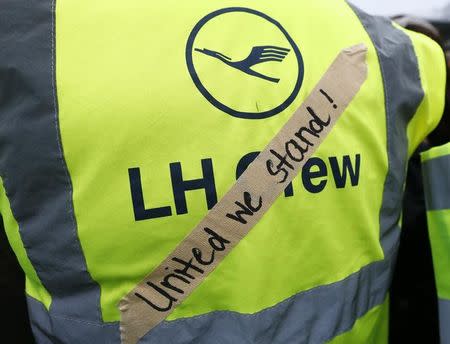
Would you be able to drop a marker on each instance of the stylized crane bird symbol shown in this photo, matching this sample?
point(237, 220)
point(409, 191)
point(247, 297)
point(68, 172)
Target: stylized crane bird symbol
point(261, 54)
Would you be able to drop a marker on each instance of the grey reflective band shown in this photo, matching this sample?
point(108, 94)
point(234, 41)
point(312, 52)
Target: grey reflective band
point(444, 320)
point(313, 316)
point(32, 164)
point(436, 173)
point(403, 93)
point(50, 328)
point(316, 315)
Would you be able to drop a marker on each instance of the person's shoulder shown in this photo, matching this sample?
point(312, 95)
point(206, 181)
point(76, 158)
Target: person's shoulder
point(433, 74)
point(426, 47)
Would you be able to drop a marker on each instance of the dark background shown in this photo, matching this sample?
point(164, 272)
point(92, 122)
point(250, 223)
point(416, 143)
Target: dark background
point(14, 321)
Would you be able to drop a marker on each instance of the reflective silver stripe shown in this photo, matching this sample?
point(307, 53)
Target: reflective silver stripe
point(436, 173)
point(32, 163)
point(403, 93)
point(444, 320)
point(313, 316)
point(57, 329)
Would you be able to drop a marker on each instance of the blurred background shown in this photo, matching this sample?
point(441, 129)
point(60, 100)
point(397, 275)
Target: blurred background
point(435, 11)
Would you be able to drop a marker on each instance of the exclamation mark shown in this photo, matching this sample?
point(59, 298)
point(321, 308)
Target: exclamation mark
point(329, 98)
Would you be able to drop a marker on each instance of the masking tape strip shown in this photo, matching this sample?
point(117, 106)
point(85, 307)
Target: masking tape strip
point(152, 300)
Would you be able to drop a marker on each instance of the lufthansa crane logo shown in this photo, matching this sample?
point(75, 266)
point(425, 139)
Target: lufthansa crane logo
point(257, 55)
point(244, 63)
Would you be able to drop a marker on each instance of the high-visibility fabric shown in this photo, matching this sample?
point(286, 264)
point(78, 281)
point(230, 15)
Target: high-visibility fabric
point(134, 118)
point(436, 174)
point(370, 328)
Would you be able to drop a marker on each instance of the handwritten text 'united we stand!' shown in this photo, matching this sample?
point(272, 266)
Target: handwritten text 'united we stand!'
point(281, 166)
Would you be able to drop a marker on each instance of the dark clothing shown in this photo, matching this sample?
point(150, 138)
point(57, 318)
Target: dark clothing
point(14, 324)
point(413, 292)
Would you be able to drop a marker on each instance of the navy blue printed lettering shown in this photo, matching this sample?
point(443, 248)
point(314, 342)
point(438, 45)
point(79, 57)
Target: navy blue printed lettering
point(180, 186)
point(308, 175)
point(140, 213)
point(340, 175)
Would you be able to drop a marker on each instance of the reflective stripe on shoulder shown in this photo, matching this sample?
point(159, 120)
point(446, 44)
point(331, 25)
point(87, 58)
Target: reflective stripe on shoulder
point(403, 95)
point(444, 320)
point(436, 178)
point(32, 163)
point(436, 174)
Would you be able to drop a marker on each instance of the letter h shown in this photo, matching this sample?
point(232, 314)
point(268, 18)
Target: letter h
point(180, 186)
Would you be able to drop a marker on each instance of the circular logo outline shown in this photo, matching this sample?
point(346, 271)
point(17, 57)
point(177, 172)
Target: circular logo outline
point(210, 97)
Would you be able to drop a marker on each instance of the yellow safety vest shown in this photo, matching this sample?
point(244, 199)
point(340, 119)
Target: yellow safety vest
point(123, 122)
point(436, 174)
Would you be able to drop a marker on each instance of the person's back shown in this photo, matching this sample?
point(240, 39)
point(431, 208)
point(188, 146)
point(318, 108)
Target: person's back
point(121, 123)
